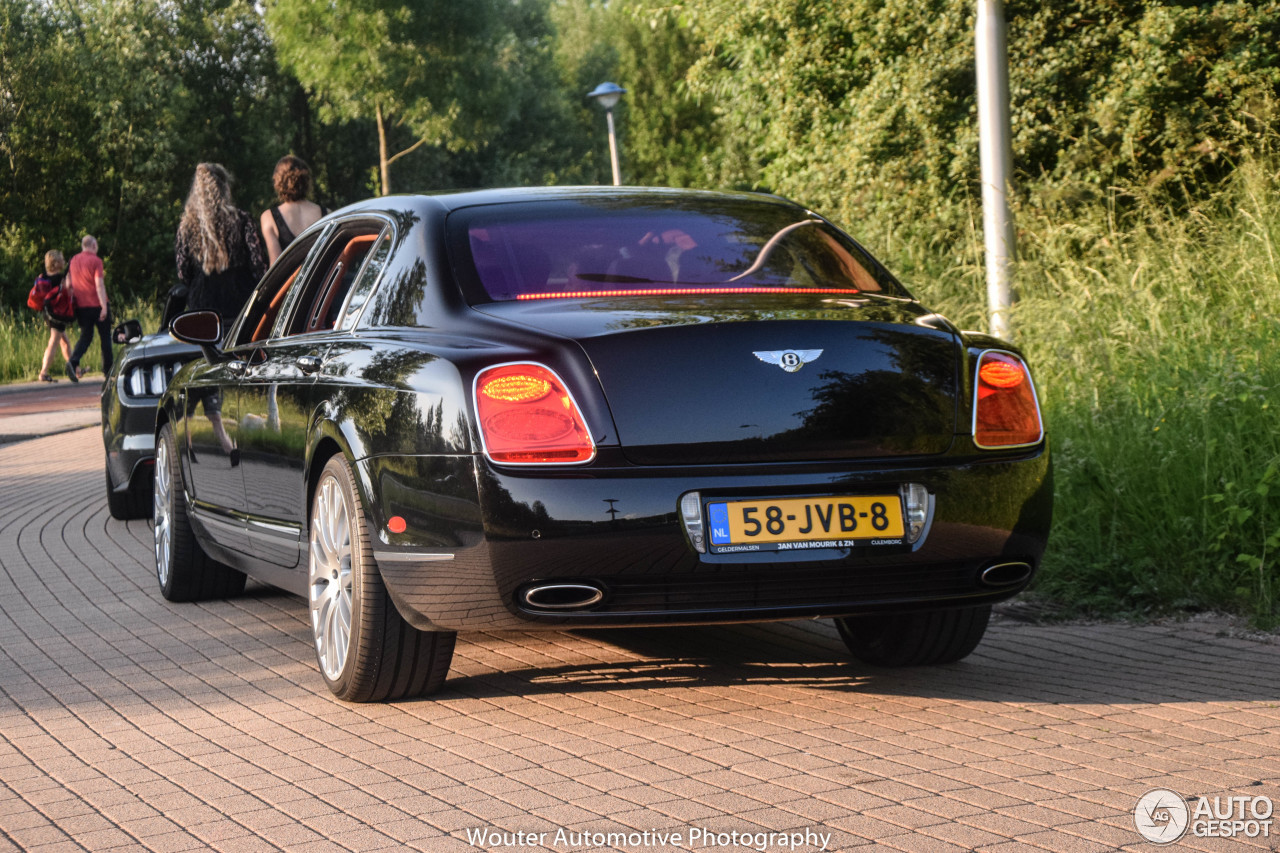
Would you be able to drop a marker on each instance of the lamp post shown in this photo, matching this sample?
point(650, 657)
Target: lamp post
point(997, 169)
point(608, 95)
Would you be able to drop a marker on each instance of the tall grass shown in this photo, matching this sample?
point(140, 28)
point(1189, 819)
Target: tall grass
point(24, 336)
point(1154, 339)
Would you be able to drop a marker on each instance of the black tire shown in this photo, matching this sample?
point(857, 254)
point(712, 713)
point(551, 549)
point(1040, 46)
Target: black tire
point(914, 639)
point(381, 657)
point(133, 502)
point(184, 570)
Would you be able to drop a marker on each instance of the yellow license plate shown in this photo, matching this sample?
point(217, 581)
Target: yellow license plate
point(822, 522)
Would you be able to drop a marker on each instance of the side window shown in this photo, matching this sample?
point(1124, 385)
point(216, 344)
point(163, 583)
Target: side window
point(368, 278)
point(331, 280)
point(270, 295)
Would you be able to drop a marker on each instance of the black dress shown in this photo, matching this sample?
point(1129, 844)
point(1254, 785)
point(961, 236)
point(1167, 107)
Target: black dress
point(225, 291)
point(286, 233)
point(282, 228)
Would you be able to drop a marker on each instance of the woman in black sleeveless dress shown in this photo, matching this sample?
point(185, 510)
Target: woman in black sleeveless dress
point(294, 214)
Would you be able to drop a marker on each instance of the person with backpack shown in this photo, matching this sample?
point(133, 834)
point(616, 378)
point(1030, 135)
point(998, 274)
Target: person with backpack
point(52, 296)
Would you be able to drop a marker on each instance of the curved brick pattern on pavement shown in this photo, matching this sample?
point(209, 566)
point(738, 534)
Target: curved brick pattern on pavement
point(130, 723)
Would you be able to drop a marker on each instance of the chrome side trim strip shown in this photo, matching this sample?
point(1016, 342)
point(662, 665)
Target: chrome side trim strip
point(409, 556)
point(256, 526)
point(228, 525)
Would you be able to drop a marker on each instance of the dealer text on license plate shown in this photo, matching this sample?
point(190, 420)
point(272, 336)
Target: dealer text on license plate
point(798, 523)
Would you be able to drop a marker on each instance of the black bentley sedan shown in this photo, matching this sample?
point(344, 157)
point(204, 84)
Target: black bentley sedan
point(585, 407)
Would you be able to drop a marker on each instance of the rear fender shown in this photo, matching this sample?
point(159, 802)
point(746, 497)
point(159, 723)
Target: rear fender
point(326, 440)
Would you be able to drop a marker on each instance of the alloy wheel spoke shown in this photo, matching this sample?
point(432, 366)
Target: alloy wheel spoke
point(330, 577)
point(337, 641)
point(161, 514)
point(318, 556)
point(324, 616)
point(341, 534)
point(322, 518)
point(342, 596)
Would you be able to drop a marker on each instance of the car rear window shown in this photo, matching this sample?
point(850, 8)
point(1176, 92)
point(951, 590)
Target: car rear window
point(611, 247)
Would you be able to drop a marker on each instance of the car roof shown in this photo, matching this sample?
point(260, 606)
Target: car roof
point(456, 200)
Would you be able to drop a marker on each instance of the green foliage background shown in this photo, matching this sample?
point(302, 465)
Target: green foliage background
point(1146, 190)
point(862, 108)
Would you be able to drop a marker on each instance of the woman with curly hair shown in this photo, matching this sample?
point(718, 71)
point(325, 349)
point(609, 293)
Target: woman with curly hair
point(218, 252)
point(294, 214)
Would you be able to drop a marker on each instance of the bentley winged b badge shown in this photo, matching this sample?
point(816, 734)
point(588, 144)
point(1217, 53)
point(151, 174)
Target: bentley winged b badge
point(789, 360)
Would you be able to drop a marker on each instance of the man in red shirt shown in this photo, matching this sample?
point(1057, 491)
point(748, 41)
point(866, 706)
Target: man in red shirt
point(88, 286)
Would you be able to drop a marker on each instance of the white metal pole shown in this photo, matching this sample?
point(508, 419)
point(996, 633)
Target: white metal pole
point(613, 149)
point(997, 159)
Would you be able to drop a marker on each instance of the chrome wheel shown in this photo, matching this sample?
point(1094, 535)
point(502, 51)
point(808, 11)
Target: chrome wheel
point(366, 650)
point(330, 575)
point(162, 513)
point(185, 571)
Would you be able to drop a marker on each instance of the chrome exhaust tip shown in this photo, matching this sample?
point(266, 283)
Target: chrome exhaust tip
point(1005, 574)
point(562, 596)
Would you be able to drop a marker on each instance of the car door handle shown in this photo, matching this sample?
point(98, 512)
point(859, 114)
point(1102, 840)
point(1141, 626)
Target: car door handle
point(309, 363)
point(237, 367)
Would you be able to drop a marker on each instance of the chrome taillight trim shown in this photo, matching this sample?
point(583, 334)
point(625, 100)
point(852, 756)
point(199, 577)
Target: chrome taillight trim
point(475, 407)
point(1035, 398)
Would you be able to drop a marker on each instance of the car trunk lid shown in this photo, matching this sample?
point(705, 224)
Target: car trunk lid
point(730, 382)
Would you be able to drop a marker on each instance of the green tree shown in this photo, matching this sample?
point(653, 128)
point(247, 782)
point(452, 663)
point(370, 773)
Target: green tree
point(534, 134)
point(423, 71)
point(672, 135)
point(668, 134)
point(106, 107)
point(40, 113)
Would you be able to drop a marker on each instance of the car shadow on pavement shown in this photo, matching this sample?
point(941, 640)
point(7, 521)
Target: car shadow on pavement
point(1113, 663)
point(1016, 662)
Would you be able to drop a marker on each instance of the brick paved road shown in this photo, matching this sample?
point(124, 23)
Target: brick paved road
point(127, 722)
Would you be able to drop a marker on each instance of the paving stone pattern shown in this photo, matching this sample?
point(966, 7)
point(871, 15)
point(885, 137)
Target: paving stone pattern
point(130, 723)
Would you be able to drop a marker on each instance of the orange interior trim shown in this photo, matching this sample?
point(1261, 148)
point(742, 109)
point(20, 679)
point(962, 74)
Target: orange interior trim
point(263, 328)
point(354, 251)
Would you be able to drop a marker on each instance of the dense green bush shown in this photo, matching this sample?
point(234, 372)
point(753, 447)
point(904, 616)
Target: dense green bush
point(866, 108)
point(1154, 348)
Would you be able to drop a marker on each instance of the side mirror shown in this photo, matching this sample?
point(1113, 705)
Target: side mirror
point(197, 327)
point(200, 327)
point(128, 332)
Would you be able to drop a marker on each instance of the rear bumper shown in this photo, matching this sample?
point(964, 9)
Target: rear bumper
point(468, 562)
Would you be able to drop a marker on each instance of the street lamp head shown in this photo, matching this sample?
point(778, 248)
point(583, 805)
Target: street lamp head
point(607, 94)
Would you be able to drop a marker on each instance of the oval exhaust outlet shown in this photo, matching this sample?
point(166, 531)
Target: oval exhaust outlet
point(1005, 574)
point(562, 596)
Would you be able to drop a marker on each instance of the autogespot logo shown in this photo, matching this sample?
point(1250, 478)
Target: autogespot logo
point(1161, 816)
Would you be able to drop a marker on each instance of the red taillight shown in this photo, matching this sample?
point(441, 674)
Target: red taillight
point(527, 417)
point(1001, 374)
point(1006, 413)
